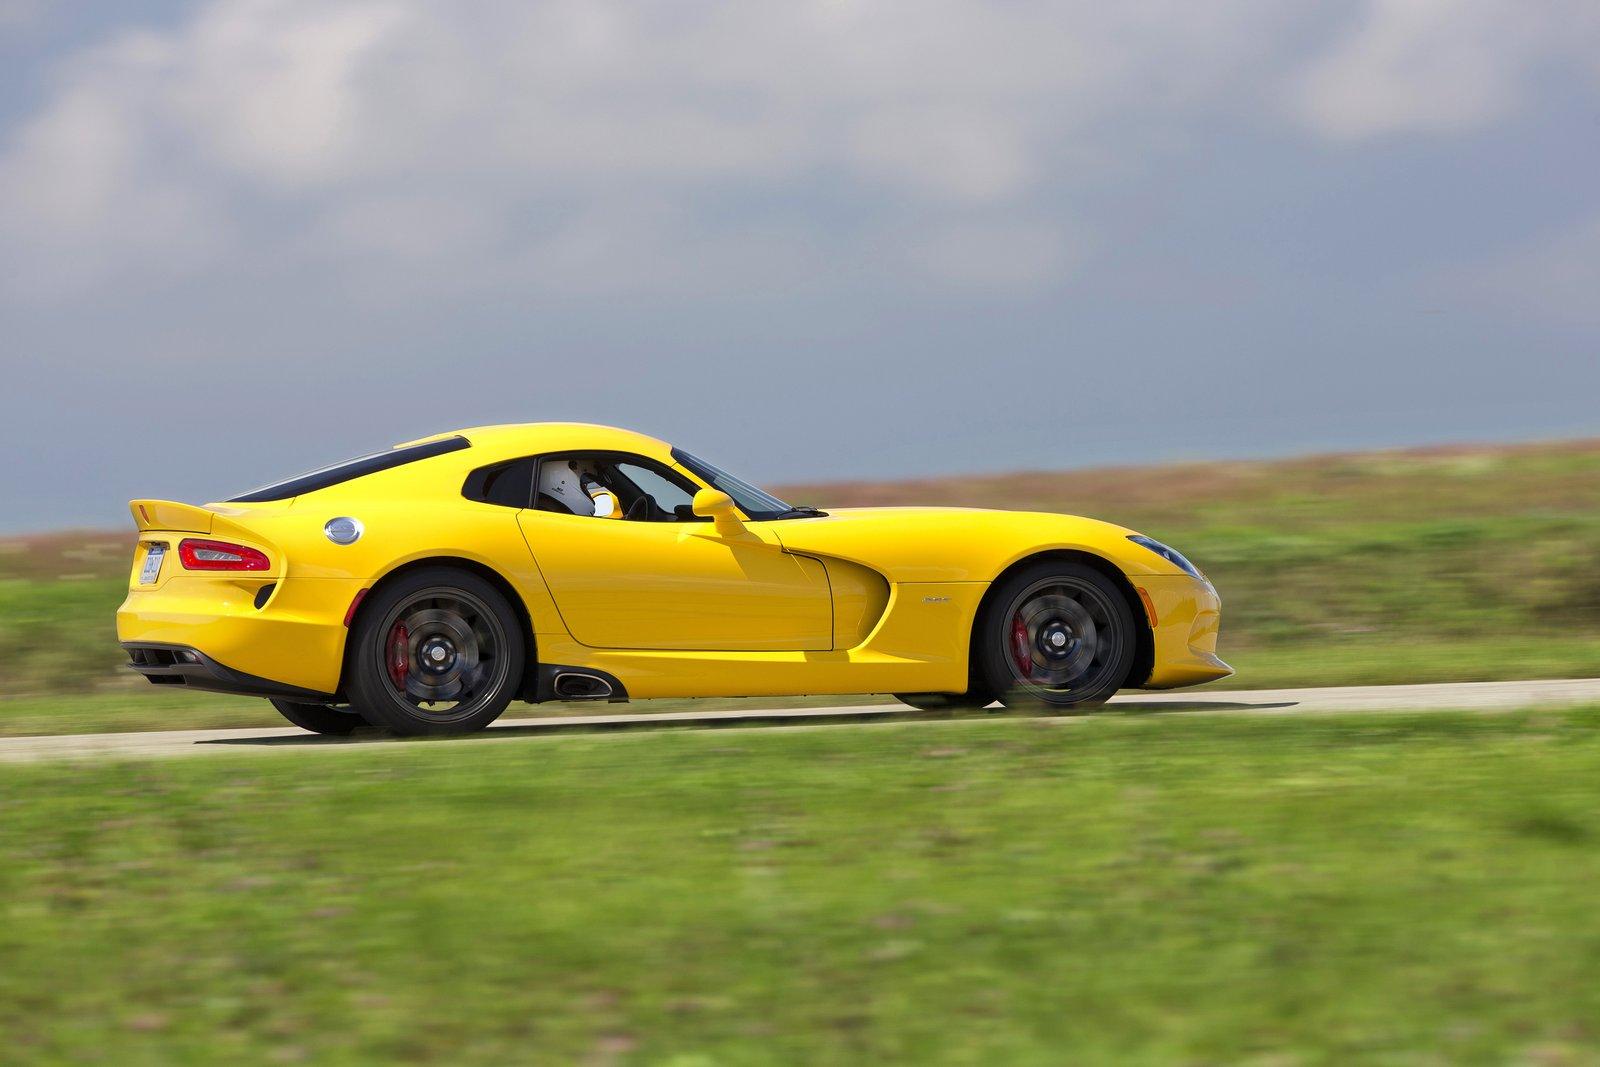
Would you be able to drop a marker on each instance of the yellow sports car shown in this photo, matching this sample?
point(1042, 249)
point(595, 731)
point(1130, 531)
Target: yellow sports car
point(424, 588)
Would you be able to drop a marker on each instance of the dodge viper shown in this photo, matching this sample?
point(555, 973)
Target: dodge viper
point(423, 588)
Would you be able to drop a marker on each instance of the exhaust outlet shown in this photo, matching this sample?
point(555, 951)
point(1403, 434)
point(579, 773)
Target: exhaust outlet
point(558, 681)
point(571, 685)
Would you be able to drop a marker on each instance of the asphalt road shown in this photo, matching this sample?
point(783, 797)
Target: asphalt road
point(1463, 696)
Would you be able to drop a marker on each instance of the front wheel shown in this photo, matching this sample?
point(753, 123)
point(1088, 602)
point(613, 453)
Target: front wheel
point(1056, 635)
point(436, 651)
point(319, 718)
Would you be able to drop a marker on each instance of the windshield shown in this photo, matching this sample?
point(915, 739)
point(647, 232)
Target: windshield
point(756, 503)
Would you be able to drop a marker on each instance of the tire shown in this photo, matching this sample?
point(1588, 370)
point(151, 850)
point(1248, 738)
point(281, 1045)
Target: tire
point(436, 651)
point(945, 701)
point(319, 718)
point(1054, 636)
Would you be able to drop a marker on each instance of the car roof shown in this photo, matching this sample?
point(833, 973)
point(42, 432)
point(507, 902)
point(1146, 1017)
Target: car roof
point(512, 440)
point(460, 452)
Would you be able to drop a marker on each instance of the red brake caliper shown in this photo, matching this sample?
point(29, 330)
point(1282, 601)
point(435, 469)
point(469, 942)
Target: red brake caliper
point(1019, 646)
point(399, 655)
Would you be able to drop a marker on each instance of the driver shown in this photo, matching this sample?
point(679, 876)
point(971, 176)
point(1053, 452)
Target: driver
point(578, 490)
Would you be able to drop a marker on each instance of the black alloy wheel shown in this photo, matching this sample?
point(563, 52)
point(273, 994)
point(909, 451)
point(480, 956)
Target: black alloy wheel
point(438, 651)
point(1056, 635)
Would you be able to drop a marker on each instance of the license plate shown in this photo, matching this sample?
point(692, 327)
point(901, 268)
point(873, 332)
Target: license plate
point(152, 565)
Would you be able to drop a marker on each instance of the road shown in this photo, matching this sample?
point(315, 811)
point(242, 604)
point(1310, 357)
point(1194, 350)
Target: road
point(1460, 696)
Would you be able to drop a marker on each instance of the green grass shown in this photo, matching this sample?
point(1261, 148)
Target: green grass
point(1428, 565)
point(135, 706)
point(1377, 889)
point(62, 633)
point(1385, 660)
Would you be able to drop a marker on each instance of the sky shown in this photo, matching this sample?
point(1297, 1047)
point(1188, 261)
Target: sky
point(806, 239)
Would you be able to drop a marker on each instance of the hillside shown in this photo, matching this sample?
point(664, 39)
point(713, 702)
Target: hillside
point(1463, 562)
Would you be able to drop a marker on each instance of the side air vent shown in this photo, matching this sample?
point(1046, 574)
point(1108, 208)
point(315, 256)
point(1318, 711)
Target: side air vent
point(264, 594)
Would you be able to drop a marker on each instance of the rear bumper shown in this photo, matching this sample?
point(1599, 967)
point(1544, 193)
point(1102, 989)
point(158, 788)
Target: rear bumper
point(1188, 618)
point(293, 643)
point(193, 669)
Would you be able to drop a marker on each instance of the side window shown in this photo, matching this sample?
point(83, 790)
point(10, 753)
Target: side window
point(507, 484)
point(613, 485)
point(672, 501)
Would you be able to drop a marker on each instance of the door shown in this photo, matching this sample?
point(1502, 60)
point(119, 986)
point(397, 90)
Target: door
point(664, 580)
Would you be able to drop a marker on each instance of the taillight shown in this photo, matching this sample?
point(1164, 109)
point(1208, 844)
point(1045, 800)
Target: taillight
point(198, 555)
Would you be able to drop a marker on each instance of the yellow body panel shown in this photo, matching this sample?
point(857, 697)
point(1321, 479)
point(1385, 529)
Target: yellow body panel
point(667, 585)
point(1188, 615)
point(958, 544)
point(861, 601)
point(297, 639)
point(920, 645)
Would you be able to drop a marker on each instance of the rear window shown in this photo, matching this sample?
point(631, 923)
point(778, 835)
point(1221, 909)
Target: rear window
point(351, 469)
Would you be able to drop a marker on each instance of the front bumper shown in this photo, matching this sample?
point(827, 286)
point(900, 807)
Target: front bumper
point(1188, 617)
point(293, 643)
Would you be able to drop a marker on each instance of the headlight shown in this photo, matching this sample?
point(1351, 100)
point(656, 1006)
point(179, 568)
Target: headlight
point(1171, 555)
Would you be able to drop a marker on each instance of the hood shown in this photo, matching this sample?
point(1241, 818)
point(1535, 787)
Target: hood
point(952, 544)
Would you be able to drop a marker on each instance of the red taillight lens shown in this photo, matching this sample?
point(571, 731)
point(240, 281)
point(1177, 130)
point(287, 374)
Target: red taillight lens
point(200, 555)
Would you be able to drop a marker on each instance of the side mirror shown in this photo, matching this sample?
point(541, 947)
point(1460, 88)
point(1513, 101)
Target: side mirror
point(716, 505)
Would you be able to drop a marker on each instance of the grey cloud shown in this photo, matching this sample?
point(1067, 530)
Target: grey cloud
point(1442, 66)
point(326, 115)
point(808, 238)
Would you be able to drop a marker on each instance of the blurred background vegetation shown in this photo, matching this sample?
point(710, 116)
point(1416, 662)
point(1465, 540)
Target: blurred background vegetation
point(1453, 563)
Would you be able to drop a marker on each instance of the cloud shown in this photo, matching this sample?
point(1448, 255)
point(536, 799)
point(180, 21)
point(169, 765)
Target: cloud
point(592, 146)
point(1440, 66)
point(527, 135)
point(949, 152)
point(279, 91)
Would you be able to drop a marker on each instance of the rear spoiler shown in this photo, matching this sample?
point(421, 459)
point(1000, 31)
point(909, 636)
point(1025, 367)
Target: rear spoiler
point(187, 518)
point(170, 515)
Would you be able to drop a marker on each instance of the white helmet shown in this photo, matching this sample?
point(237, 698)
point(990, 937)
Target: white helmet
point(563, 482)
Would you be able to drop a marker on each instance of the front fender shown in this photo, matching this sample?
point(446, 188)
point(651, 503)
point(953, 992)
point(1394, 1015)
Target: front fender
point(959, 544)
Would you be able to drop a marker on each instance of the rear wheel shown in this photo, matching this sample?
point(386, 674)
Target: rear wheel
point(1056, 635)
point(319, 718)
point(437, 651)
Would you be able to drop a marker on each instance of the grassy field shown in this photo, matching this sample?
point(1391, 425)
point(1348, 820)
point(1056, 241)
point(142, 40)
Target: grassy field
point(1429, 565)
point(1379, 889)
